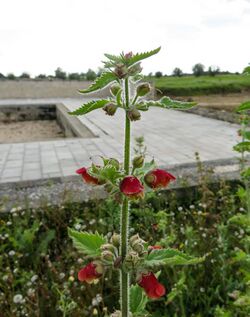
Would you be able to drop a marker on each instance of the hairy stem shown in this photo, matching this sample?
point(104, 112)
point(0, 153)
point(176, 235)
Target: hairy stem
point(125, 214)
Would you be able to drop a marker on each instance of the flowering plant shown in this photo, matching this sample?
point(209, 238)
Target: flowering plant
point(137, 261)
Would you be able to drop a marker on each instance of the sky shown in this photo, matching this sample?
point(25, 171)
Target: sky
point(37, 36)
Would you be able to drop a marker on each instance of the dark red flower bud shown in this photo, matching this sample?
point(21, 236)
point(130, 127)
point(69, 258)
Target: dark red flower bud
point(87, 177)
point(151, 286)
point(131, 187)
point(158, 178)
point(110, 108)
point(134, 115)
point(128, 55)
point(143, 89)
point(90, 272)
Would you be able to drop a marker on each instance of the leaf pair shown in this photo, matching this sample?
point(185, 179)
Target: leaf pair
point(128, 61)
point(165, 102)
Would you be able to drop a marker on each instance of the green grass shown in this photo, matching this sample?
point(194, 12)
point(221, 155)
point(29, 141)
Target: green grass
point(191, 86)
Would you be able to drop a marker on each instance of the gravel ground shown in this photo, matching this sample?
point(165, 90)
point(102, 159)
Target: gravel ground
point(28, 131)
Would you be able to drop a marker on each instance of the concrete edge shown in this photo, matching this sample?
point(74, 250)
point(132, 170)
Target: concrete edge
point(71, 124)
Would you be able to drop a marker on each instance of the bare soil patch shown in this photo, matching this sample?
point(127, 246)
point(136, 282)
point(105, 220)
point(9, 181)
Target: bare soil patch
point(226, 102)
point(28, 131)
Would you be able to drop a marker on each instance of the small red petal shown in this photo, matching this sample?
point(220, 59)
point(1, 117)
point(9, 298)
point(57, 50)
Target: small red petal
point(160, 290)
point(81, 171)
point(82, 275)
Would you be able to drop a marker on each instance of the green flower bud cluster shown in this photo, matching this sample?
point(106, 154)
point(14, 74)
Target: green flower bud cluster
point(114, 89)
point(110, 108)
point(137, 244)
point(133, 114)
point(143, 89)
point(109, 251)
point(138, 161)
point(131, 260)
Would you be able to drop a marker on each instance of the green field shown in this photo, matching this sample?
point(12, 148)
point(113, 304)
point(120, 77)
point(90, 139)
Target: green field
point(203, 85)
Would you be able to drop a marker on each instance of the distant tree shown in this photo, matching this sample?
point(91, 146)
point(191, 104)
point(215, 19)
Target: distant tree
point(198, 69)
point(246, 70)
point(100, 71)
point(158, 74)
point(60, 74)
point(24, 76)
point(82, 76)
point(2, 76)
point(177, 72)
point(41, 76)
point(150, 74)
point(74, 76)
point(11, 76)
point(213, 70)
point(90, 75)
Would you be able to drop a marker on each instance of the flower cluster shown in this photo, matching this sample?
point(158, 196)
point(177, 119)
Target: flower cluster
point(132, 186)
point(147, 280)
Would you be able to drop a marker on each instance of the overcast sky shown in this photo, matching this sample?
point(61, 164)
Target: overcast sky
point(37, 36)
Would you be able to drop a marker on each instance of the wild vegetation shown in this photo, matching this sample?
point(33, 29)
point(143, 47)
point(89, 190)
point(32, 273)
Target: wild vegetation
point(201, 85)
point(39, 266)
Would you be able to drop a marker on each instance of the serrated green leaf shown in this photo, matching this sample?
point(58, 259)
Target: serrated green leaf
point(243, 107)
point(90, 106)
point(240, 220)
point(166, 103)
point(101, 82)
point(242, 147)
point(140, 56)
point(114, 58)
point(138, 300)
point(169, 257)
point(87, 243)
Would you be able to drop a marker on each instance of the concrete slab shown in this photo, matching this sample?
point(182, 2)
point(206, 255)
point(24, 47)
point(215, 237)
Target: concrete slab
point(172, 137)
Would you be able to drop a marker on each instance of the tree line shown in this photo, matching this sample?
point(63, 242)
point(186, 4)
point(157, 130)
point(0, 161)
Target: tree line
point(58, 74)
point(197, 70)
point(200, 70)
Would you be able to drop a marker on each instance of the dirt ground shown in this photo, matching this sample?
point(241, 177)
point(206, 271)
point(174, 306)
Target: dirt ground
point(222, 102)
point(25, 131)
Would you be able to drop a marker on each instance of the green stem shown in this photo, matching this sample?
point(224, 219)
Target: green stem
point(125, 215)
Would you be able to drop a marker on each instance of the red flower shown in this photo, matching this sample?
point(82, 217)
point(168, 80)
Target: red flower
point(158, 178)
point(154, 247)
point(87, 177)
point(90, 272)
point(151, 286)
point(131, 187)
